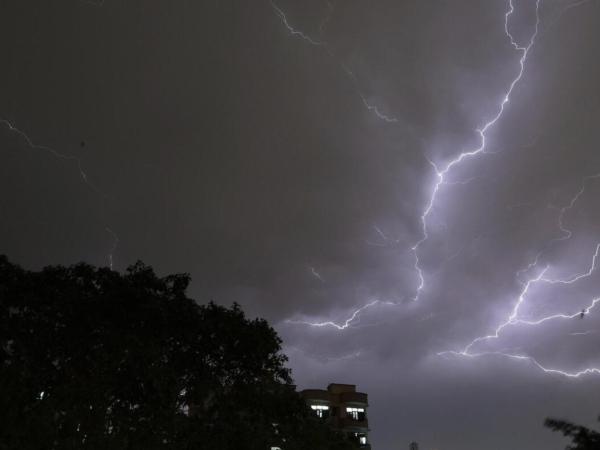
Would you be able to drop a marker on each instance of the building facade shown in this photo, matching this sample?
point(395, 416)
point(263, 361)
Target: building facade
point(342, 407)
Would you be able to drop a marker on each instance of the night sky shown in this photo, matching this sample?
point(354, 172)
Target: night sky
point(303, 158)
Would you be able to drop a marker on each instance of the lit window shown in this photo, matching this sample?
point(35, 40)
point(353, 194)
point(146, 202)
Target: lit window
point(321, 410)
point(361, 438)
point(356, 413)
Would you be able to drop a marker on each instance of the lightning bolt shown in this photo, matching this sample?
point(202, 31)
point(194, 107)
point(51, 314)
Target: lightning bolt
point(376, 111)
point(300, 34)
point(442, 173)
point(293, 31)
point(563, 211)
point(316, 274)
point(535, 362)
point(113, 249)
point(482, 131)
point(77, 161)
point(513, 319)
point(386, 241)
point(584, 333)
point(577, 277)
point(566, 233)
point(354, 317)
point(50, 150)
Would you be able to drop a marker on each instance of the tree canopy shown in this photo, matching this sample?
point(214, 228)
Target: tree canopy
point(95, 359)
point(582, 438)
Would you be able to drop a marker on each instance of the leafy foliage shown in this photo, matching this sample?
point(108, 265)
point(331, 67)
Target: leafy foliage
point(94, 359)
point(582, 438)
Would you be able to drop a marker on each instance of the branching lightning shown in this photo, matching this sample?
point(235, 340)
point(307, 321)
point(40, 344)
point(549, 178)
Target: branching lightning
point(514, 320)
point(441, 173)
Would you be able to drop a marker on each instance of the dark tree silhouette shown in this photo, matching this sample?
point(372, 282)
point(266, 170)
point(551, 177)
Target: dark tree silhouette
point(92, 359)
point(582, 438)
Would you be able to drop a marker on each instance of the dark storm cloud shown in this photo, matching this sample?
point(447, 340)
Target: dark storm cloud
point(225, 146)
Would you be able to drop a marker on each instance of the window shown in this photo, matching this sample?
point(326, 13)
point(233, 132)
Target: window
point(322, 411)
point(356, 413)
point(361, 438)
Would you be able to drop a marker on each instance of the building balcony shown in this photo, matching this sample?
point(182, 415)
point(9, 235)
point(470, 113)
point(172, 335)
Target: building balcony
point(355, 398)
point(349, 424)
point(316, 395)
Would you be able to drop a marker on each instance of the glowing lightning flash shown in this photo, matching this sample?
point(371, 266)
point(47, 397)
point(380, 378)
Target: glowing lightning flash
point(354, 317)
point(513, 319)
point(343, 326)
point(482, 132)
